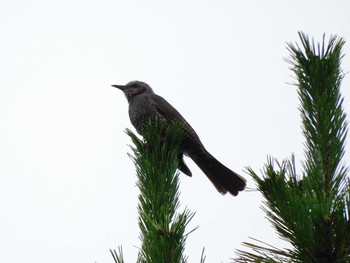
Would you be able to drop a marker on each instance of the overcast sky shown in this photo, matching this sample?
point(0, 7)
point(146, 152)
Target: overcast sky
point(67, 190)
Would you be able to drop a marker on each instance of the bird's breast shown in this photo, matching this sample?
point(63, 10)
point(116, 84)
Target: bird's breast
point(141, 111)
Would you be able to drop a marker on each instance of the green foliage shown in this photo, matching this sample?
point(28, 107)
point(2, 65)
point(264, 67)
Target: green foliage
point(311, 211)
point(162, 229)
point(117, 256)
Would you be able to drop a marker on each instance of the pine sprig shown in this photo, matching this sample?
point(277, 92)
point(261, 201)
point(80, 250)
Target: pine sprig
point(310, 211)
point(162, 229)
point(324, 126)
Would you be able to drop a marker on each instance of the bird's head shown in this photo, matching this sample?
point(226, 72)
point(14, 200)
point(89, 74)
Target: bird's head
point(134, 88)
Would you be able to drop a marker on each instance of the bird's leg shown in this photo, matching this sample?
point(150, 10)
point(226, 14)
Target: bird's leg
point(182, 165)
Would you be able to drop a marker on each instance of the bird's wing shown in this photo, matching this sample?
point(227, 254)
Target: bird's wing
point(171, 114)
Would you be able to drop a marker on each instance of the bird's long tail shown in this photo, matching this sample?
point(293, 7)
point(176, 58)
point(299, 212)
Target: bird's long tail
point(222, 177)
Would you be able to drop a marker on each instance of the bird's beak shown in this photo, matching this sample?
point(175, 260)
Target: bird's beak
point(121, 87)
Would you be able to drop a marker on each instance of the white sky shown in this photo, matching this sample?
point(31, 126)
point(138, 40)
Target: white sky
point(67, 191)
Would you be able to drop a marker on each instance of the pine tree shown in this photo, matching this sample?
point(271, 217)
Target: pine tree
point(310, 210)
point(162, 228)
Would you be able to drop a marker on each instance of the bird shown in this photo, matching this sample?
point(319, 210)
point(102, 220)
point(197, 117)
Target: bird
point(145, 105)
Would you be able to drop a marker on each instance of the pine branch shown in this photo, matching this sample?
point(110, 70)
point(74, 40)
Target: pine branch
point(310, 211)
point(162, 228)
point(324, 126)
